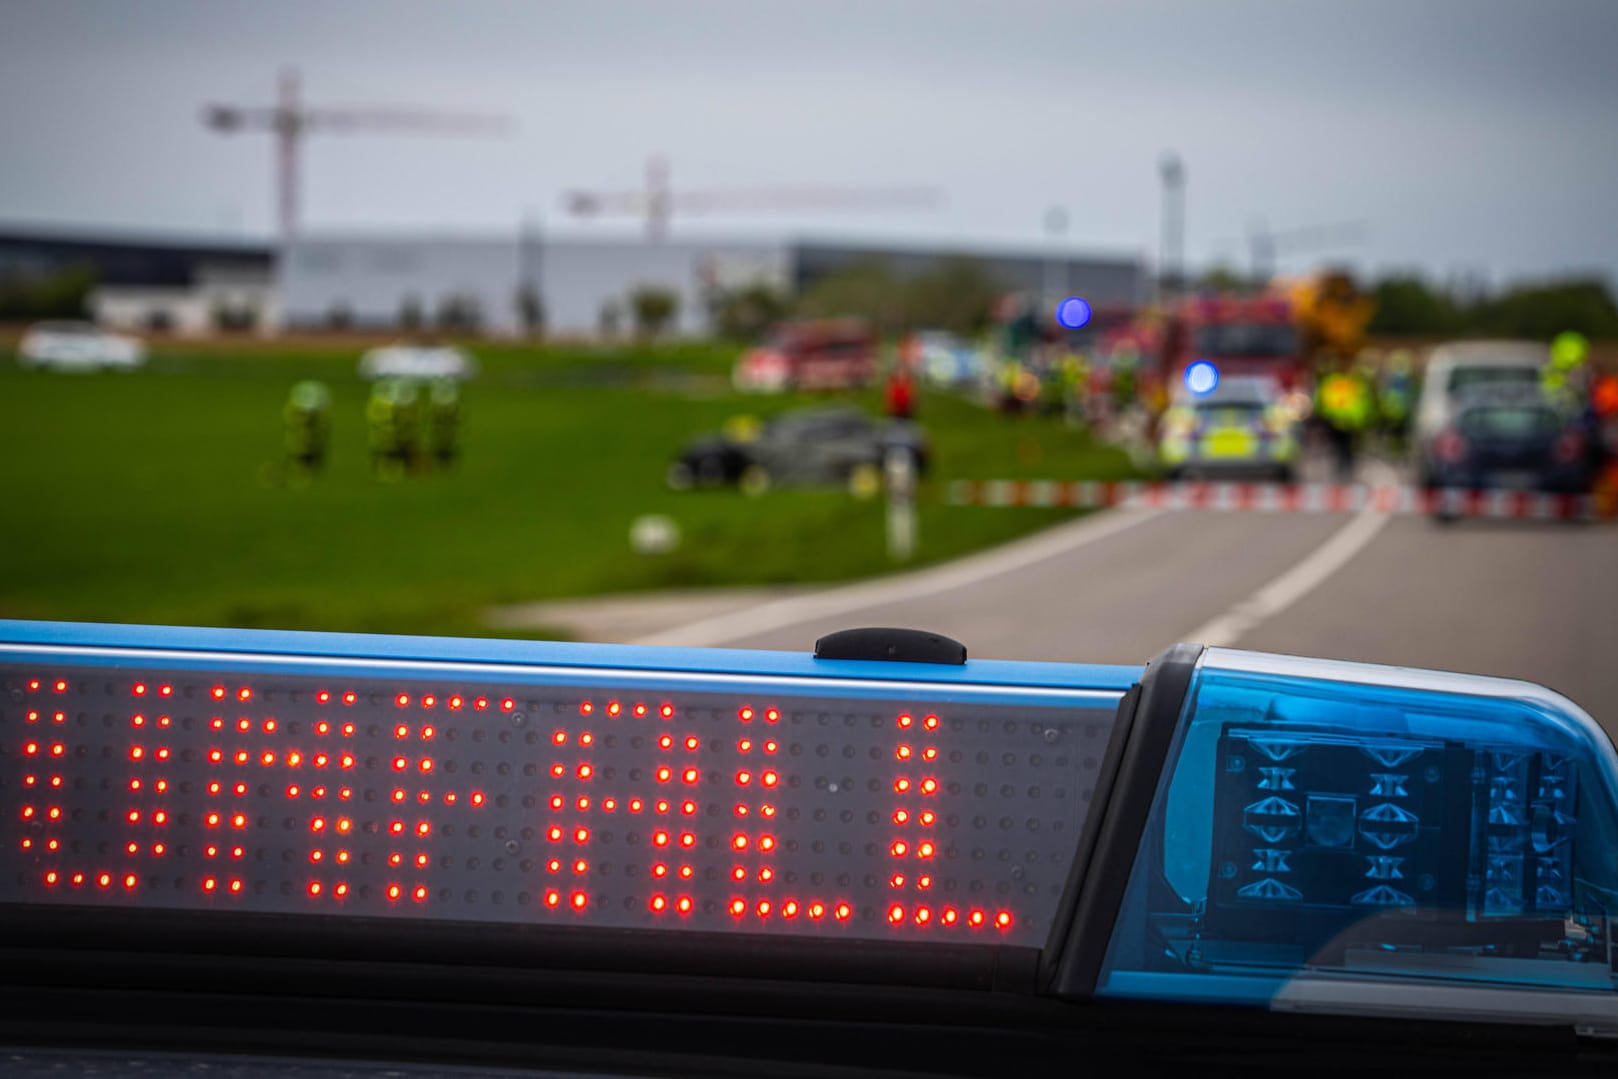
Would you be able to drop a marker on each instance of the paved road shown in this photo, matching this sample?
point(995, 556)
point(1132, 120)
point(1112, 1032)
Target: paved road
point(1536, 601)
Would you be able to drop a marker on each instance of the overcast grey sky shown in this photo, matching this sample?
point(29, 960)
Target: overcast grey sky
point(1472, 135)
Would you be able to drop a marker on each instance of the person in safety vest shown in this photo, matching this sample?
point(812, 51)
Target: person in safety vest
point(307, 419)
point(444, 421)
point(1345, 405)
point(390, 417)
point(1395, 398)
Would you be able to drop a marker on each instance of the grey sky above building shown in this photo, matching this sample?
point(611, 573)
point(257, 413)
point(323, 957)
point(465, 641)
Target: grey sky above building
point(1472, 136)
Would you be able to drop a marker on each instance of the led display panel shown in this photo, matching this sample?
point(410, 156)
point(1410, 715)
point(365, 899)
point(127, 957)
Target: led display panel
point(610, 799)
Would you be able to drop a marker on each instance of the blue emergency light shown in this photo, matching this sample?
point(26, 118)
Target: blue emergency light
point(1201, 377)
point(1073, 313)
point(1217, 826)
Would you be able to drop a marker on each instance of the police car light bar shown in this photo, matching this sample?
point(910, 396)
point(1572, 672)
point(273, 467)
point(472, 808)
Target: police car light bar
point(1219, 826)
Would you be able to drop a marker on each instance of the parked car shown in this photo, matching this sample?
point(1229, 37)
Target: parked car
point(946, 360)
point(814, 355)
point(1243, 426)
point(1454, 368)
point(416, 361)
point(78, 346)
point(1508, 437)
point(807, 447)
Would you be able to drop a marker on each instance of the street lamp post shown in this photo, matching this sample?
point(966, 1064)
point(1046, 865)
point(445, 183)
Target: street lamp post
point(1171, 252)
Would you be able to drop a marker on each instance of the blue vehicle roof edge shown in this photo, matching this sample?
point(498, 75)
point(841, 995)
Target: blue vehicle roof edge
point(1078, 676)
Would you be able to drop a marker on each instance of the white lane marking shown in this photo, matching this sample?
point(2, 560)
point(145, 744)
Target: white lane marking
point(1295, 583)
point(837, 602)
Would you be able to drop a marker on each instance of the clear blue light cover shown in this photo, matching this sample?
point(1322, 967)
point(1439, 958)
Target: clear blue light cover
point(1376, 840)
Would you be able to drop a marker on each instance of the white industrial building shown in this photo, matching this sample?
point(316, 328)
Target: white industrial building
point(385, 281)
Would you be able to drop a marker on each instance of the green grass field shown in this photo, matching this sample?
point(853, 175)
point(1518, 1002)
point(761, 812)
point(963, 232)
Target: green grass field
point(152, 497)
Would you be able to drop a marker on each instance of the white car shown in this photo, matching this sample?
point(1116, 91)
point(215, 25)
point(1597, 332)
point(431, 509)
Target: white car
point(78, 346)
point(1460, 366)
point(416, 361)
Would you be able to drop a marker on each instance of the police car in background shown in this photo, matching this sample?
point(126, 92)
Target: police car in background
point(78, 346)
point(1228, 427)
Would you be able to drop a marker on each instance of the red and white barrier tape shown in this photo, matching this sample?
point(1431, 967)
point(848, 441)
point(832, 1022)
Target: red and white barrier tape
point(1283, 498)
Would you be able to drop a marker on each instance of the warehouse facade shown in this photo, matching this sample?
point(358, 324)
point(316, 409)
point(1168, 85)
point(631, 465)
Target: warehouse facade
point(396, 282)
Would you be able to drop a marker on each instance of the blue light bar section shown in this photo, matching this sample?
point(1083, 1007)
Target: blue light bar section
point(1352, 838)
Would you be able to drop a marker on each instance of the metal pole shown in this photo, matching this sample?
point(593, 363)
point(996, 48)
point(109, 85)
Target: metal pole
point(288, 130)
point(1055, 273)
point(900, 469)
point(1171, 252)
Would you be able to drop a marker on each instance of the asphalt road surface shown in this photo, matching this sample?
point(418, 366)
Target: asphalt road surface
point(1516, 599)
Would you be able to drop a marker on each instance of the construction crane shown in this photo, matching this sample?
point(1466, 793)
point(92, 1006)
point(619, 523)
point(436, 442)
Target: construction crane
point(658, 203)
point(289, 120)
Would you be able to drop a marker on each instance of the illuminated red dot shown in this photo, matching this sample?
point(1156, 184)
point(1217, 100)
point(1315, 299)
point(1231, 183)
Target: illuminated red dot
point(209, 884)
point(244, 694)
point(683, 904)
point(426, 764)
point(739, 841)
point(349, 698)
point(429, 701)
point(580, 900)
point(930, 753)
point(692, 743)
point(553, 898)
point(664, 774)
point(928, 816)
point(613, 708)
point(766, 810)
point(659, 903)
point(640, 710)
point(901, 784)
point(340, 891)
point(771, 715)
point(763, 908)
point(157, 848)
point(244, 724)
point(586, 738)
point(924, 882)
point(420, 894)
point(139, 689)
point(766, 874)
point(322, 697)
point(745, 715)
point(348, 730)
point(896, 914)
point(393, 891)
point(660, 839)
point(923, 915)
point(402, 701)
point(165, 691)
point(929, 786)
point(975, 919)
point(931, 723)
point(896, 881)
point(52, 877)
point(900, 816)
point(1002, 920)
point(950, 916)
point(455, 703)
point(817, 910)
point(900, 848)
point(33, 685)
point(507, 705)
point(61, 686)
point(667, 711)
point(31, 748)
point(292, 791)
point(789, 909)
point(660, 870)
point(54, 813)
point(924, 850)
point(580, 866)
point(33, 717)
point(903, 753)
point(635, 805)
point(609, 804)
point(738, 907)
point(554, 834)
point(477, 798)
point(743, 778)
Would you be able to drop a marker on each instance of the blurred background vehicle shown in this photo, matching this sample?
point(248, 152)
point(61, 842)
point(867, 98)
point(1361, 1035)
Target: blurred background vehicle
point(417, 361)
point(1462, 365)
point(819, 354)
point(948, 361)
point(1508, 437)
point(78, 346)
point(824, 446)
point(1241, 427)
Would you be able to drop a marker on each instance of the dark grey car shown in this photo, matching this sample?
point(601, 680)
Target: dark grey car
point(810, 447)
